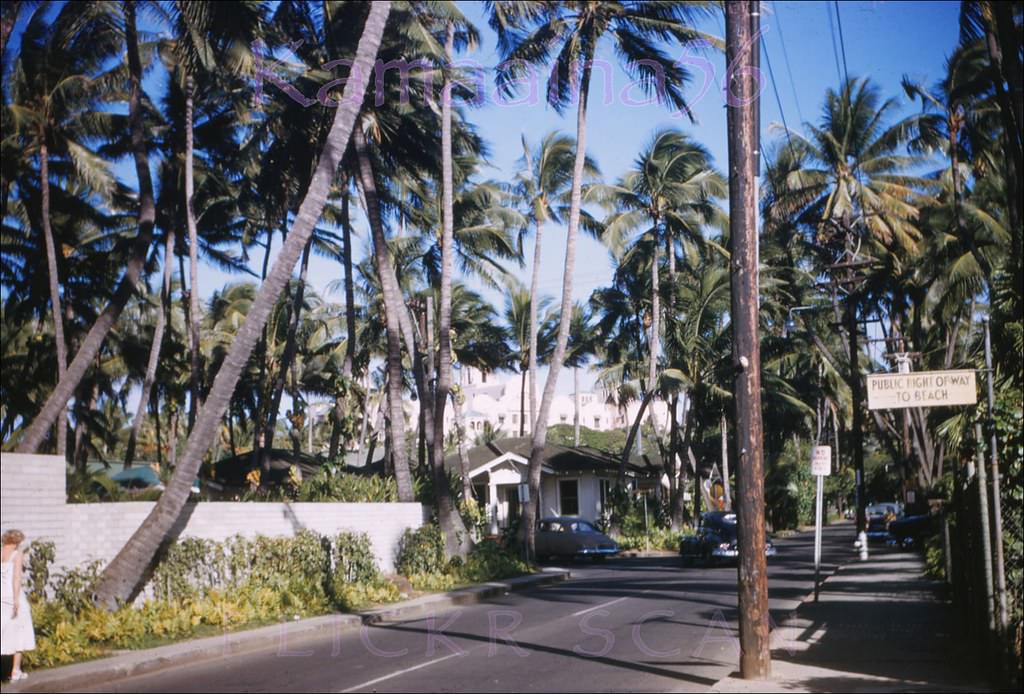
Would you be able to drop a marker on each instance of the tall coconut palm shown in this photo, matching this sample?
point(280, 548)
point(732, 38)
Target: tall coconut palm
point(960, 124)
point(123, 576)
point(543, 185)
point(93, 341)
point(849, 190)
point(55, 88)
point(202, 32)
point(528, 33)
point(669, 193)
point(518, 312)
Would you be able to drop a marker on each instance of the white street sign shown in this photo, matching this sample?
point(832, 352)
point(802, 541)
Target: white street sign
point(921, 389)
point(821, 460)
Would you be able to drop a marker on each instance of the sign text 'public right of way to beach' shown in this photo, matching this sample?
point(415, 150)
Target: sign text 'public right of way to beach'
point(921, 389)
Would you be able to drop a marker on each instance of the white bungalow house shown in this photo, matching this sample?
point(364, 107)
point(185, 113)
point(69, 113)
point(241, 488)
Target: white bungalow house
point(574, 481)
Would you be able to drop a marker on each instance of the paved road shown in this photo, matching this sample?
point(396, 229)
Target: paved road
point(627, 624)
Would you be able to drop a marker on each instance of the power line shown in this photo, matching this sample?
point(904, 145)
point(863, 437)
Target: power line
point(785, 56)
point(835, 50)
point(842, 43)
point(778, 101)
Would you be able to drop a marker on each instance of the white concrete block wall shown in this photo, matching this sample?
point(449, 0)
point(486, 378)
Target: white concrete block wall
point(33, 499)
point(98, 531)
point(32, 495)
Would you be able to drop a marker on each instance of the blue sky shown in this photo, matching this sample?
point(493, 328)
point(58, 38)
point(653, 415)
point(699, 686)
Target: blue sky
point(883, 40)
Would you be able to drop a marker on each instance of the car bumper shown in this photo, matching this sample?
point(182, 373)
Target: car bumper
point(720, 553)
point(598, 552)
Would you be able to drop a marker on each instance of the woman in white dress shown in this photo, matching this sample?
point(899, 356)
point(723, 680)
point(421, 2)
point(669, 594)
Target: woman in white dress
point(16, 632)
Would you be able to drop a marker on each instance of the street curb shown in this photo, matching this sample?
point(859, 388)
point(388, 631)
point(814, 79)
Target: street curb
point(134, 663)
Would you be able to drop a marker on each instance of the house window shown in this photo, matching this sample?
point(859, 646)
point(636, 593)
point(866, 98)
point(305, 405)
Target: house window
point(597, 422)
point(569, 497)
point(501, 419)
point(606, 490)
point(564, 417)
point(480, 493)
point(515, 419)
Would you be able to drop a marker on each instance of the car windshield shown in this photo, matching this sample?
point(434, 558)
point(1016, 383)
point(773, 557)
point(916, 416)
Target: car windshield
point(583, 527)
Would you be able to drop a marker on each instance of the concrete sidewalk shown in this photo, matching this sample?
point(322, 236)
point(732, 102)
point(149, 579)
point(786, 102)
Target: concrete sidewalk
point(128, 664)
point(879, 625)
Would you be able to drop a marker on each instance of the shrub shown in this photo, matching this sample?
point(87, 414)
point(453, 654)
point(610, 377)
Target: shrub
point(330, 483)
point(353, 596)
point(421, 551)
point(489, 562)
point(353, 558)
point(432, 582)
point(205, 583)
point(38, 560)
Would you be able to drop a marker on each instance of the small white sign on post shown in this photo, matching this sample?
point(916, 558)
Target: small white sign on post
point(821, 467)
point(821, 460)
point(524, 492)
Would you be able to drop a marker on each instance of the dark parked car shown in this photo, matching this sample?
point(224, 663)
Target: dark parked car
point(879, 518)
point(572, 537)
point(911, 531)
point(715, 540)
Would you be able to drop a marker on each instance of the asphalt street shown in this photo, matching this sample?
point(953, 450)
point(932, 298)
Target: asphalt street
point(629, 624)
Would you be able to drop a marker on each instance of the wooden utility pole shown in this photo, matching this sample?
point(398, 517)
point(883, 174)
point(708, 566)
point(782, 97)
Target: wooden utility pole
point(743, 49)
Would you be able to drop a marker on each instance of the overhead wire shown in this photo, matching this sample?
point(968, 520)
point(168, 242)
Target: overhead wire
point(842, 43)
point(785, 56)
point(835, 50)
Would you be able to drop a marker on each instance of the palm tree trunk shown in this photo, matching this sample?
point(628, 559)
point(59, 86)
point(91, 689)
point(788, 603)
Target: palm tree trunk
point(81, 452)
point(522, 406)
point(631, 437)
point(290, 347)
point(51, 264)
point(123, 577)
point(652, 343)
point(154, 351)
point(457, 540)
point(193, 261)
point(576, 406)
point(394, 308)
point(460, 433)
point(93, 341)
point(341, 405)
point(261, 356)
point(534, 286)
point(540, 431)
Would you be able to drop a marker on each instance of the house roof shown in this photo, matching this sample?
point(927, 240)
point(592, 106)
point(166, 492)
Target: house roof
point(560, 459)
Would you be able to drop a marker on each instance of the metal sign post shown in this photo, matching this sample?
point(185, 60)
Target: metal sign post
point(821, 464)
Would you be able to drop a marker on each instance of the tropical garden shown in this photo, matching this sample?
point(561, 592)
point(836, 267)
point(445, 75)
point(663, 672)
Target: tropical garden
point(878, 228)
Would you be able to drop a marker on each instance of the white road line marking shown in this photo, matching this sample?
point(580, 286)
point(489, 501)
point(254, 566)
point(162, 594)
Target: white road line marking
point(607, 604)
point(398, 673)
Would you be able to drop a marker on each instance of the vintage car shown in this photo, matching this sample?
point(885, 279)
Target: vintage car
point(565, 536)
point(879, 516)
point(715, 541)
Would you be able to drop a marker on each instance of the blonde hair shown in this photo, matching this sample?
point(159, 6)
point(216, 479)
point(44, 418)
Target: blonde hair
point(13, 537)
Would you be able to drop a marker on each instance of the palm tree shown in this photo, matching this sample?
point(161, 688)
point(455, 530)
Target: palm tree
point(848, 188)
point(960, 123)
point(54, 109)
point(123, 576)
point(582, 344)
point(543, 185)
point(93, 341)
point(202, 31)
point(528, 32)
point(669, 193)
point(518, 311)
